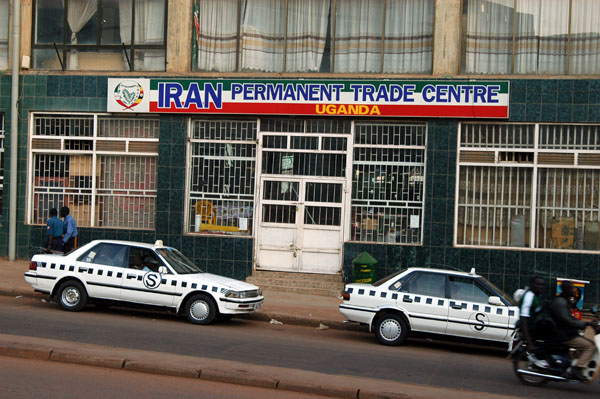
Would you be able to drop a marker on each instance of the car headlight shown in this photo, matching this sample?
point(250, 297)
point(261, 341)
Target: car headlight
point(232, 294)
point(241, 294)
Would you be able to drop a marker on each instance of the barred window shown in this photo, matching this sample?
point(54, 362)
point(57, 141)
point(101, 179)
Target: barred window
point(222, 156)
point(388, 176)
point(103, 168)
point(529, 185)
point(4, 23)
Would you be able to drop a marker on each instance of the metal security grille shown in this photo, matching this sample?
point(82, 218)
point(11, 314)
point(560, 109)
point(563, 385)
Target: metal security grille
point(1, 160)
point(388, 174)
point(102, 168)
point(221, 176)
point(529, 185)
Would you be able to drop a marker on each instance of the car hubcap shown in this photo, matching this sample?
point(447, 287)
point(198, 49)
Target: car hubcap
point(70, 296)
point(199, 310)
point(390, 329)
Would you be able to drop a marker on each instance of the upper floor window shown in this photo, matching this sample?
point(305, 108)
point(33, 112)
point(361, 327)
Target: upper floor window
point(111, 35)
point(531, 37)
point(350, 36)
point(4, 34)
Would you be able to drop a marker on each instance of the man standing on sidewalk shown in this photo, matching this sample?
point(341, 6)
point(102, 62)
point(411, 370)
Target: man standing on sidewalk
point(70, 230)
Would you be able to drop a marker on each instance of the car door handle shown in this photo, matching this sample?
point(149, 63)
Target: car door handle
point(455, 306)
point(407, 299)
point(83, 269)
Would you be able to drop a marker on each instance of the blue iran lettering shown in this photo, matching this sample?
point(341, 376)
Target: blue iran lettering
point(170, 95)
point(169, 92)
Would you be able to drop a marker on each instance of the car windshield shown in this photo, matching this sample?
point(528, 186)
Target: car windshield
point(498, 291)
point(388, 278)
point(178, 261)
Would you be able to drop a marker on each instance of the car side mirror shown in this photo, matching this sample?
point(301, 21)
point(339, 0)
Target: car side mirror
point(496, 301)
point(163, 270)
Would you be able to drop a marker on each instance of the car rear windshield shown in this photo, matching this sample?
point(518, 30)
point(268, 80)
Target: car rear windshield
point(388, 278)
point(178, 261)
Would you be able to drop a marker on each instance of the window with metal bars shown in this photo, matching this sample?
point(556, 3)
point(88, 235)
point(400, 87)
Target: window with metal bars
point(221, 173)
point(103, 168)
point(388, 176)
point(545, 195)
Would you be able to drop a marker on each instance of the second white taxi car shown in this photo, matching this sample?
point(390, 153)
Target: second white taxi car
point(142, 274)
point(432, 301)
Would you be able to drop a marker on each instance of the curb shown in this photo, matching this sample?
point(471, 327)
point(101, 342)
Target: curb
point(225, 371)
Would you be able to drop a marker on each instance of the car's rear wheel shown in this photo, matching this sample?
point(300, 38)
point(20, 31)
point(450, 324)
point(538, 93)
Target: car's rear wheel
point(72, 296)
point(200, 309)
point(391, 329)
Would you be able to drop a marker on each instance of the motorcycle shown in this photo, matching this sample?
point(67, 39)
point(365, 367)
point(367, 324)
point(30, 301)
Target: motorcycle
point(556, 365)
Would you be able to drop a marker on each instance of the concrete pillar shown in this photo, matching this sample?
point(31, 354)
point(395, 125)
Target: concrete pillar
point(446, 37)
point(179, 36)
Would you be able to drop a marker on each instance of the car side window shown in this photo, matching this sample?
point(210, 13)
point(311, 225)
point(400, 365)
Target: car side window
point(143, 259)
point(467, 289)
point(428, 284)
point(106, 254)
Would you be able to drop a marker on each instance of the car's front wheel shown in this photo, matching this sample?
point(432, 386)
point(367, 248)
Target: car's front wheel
point(72, 296)
point(200, 309)
point(390, 329)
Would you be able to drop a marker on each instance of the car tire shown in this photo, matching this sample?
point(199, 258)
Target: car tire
point(200, 309)
point(390, 329)
point(72, 296)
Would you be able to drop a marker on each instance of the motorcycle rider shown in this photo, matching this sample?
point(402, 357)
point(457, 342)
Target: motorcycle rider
point(531, 305)
point(568, 328)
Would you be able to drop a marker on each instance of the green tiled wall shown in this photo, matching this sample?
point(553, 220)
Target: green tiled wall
point(531, 100)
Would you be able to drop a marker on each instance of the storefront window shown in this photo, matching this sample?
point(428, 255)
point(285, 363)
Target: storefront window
point(536, 37)
point(299, 36)
point(388, 176)
point(221, 176)
point(529, 186)
point(106, 175)
point(99, 35)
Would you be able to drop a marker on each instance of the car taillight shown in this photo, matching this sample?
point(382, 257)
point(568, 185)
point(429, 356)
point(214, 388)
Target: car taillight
point(32, 265)
point(346, 296)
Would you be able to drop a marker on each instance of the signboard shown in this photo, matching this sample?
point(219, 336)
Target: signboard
point(384, 98)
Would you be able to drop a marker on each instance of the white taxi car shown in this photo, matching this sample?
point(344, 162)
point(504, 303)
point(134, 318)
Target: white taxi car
point(142, 274)
point(432, 301)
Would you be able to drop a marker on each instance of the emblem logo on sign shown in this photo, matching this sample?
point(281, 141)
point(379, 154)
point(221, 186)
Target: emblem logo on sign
point(129, 94)
point(152, 280)
point(479, 322)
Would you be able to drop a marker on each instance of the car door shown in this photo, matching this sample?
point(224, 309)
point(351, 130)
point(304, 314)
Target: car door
point(422, 295)
point(471, 315)
point(101, 268)
point(142, 283)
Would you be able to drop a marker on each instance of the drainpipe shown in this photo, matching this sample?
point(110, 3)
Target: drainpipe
point(14, 129)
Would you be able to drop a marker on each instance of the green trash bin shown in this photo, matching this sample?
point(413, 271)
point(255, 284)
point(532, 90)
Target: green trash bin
point(364, 268)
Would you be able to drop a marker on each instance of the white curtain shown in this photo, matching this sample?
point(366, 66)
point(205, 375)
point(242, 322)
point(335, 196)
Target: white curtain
point(542, 37)
point(488, 36)
point(306, 35)
point(4, 20)
point(79, 12)
point(358, 33)
point(262, 35)
point(408, 42)
point(217, 35)
point(585, 37)
point(149, 29)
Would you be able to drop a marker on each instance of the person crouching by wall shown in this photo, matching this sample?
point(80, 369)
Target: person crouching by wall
point(69, 239)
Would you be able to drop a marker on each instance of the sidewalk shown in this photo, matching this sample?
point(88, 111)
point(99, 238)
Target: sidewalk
point(288, 308)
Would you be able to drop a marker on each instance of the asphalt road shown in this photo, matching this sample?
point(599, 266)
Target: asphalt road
point(326, 351)
point(49, 380)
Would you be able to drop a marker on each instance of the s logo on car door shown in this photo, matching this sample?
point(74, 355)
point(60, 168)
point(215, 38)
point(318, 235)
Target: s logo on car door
point(478, 322)
point(152, 280)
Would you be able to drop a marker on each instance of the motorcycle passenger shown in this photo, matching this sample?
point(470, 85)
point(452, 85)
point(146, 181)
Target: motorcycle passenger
point(568, 328)
point(531, 305)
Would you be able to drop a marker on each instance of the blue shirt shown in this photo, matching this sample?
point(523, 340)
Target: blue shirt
point(71, 228)
point(55, 227)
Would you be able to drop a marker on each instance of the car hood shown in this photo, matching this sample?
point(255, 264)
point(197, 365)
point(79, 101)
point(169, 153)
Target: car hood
point(221, 280)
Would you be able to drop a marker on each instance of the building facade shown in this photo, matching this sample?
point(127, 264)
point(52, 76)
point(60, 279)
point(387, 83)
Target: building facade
point(294, 135)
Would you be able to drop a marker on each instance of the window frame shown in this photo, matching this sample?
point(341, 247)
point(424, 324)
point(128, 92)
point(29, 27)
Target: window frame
point(57, 145)
point(540, 155)
point(128, 50)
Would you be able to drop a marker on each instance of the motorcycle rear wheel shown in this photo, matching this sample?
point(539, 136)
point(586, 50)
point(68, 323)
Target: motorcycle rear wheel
point(521, 362)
